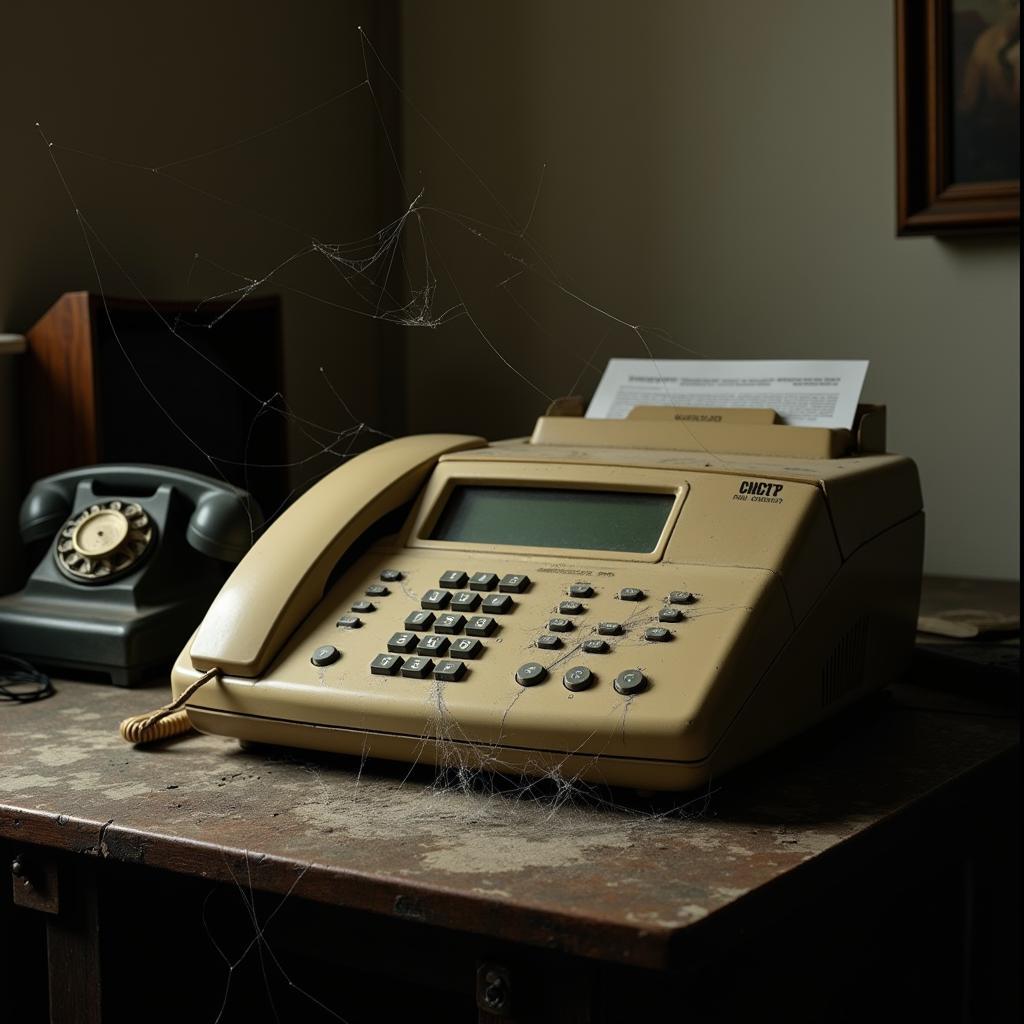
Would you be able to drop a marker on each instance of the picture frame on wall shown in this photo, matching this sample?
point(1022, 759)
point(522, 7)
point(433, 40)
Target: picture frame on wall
point(957, 116)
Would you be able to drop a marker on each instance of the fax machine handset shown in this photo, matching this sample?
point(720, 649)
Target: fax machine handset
point(282, 578)
point(220, 526)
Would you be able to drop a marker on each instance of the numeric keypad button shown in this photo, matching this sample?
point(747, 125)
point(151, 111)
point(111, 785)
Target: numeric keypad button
point(364, 607)
point(560, 625)
point(670, 615)
point(570, 608)
point(629, 682)
point(349, 622)
point(513, 583)
point(465, 601)
point(390, 575)
point(549, 642)
point(402, 643)
point(377, 590)
point(657, 634)
point(531, 674)
point(386, 664)
point(435, 599)
point(466, 647)
point(681, 597)
point(453, 579)
point(483, 581)
point(417, 668)
point(480, 625)
point(449, 671)
point(326, 655)
point(449, 623)
point(497, 604)
point(581, 590)
point(595, 646)
point(609, 628)
point(431, 644)
point(631, 594)
point(578, 678)
point(419, 621)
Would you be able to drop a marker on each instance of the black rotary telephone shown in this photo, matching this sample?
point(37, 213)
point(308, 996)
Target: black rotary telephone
point(134, 556)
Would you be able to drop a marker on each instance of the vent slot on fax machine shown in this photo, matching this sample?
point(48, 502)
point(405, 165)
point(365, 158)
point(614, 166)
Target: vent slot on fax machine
point(644, 602)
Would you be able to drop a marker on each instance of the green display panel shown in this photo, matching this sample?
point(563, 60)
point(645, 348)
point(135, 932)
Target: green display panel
point(539, 517)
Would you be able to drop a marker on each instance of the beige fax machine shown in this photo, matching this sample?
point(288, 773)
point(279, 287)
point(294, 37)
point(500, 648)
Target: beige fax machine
point(643, 602)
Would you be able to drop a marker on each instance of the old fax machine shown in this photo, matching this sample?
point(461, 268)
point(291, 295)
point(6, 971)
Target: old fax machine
point(644, 602)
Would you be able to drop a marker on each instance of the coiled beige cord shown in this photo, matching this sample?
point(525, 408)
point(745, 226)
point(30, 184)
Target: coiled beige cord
point(170, 720)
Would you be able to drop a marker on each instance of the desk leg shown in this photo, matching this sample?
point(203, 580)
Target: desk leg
point(73, 948)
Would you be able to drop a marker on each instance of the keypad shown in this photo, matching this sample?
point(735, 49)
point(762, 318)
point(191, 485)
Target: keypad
point(435, 599)
point(497, 604)
point(513, 583)
point(377, 590)
point(531, 674)
point(483, 581)
point(670, 615)
point(452, 579)
point(350, 622)
point(432, 645)
point(658, 634)
point(549, 642)
point(364, 607)
point(629, 682)
point(480, 625)
point(570, 608)
point(595, 646)
point(449, 671)
point(609, 628)
point(419, 621)
point(449, 623)
point(578, 678)
point(581, 590)
point(465, 601)
point(560, 625)
point(417, 668)
point(681, 597)
point(402, 643)
point(326, 655)
point(390, 575)
point(467, 647)
point(386, 664)
point(631, 594)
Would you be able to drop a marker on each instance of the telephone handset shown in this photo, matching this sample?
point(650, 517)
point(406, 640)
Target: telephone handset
point(134, 555)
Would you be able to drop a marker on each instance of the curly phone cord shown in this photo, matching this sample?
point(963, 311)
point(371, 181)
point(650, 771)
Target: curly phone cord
point(170, 720)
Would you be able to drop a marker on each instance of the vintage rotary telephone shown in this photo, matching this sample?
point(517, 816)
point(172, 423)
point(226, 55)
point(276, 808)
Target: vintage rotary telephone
point(134, 556)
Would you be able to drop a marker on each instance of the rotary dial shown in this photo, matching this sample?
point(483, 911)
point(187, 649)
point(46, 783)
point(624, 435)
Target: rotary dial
point(103, 541)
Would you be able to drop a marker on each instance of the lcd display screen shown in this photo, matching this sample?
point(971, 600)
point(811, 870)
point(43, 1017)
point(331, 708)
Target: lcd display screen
point(540, 517)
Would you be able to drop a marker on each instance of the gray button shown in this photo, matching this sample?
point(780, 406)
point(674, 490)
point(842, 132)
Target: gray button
point(466, 647)
point(609, 628)
point(670, 615)
point(629, 682)
point(325, 655)
point(581, 590)
point(483, 581)
point(480, 625)
point(435, 599)
point(631, 594)
point(363, 606)
point(449, 671)
point(420, 621)
point(386, 664)
point(350, 622)
point(450, 623)
point(549, 642)
point(560, 625)
point(578, 678)
point(657, 633)
point(402, 643)
point(513, 583)
point(681, 597)
point(453, 579)
point(497, 604)
point(595, 646)
point(432, 645)
point(418, 668)
point(464, 601)
point(570, 608)
point(531, 673)
point(377, 590)
point(390, 575)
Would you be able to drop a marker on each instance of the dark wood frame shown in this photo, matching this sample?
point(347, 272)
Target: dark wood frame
point(928, 201)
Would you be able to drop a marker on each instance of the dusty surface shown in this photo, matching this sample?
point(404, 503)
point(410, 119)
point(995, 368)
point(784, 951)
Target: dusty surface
point(609, 875)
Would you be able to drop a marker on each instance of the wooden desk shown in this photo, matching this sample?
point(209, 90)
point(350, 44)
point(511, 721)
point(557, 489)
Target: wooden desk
point(871, 864)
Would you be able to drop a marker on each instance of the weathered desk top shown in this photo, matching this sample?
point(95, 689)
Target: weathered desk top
point(608, 880)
